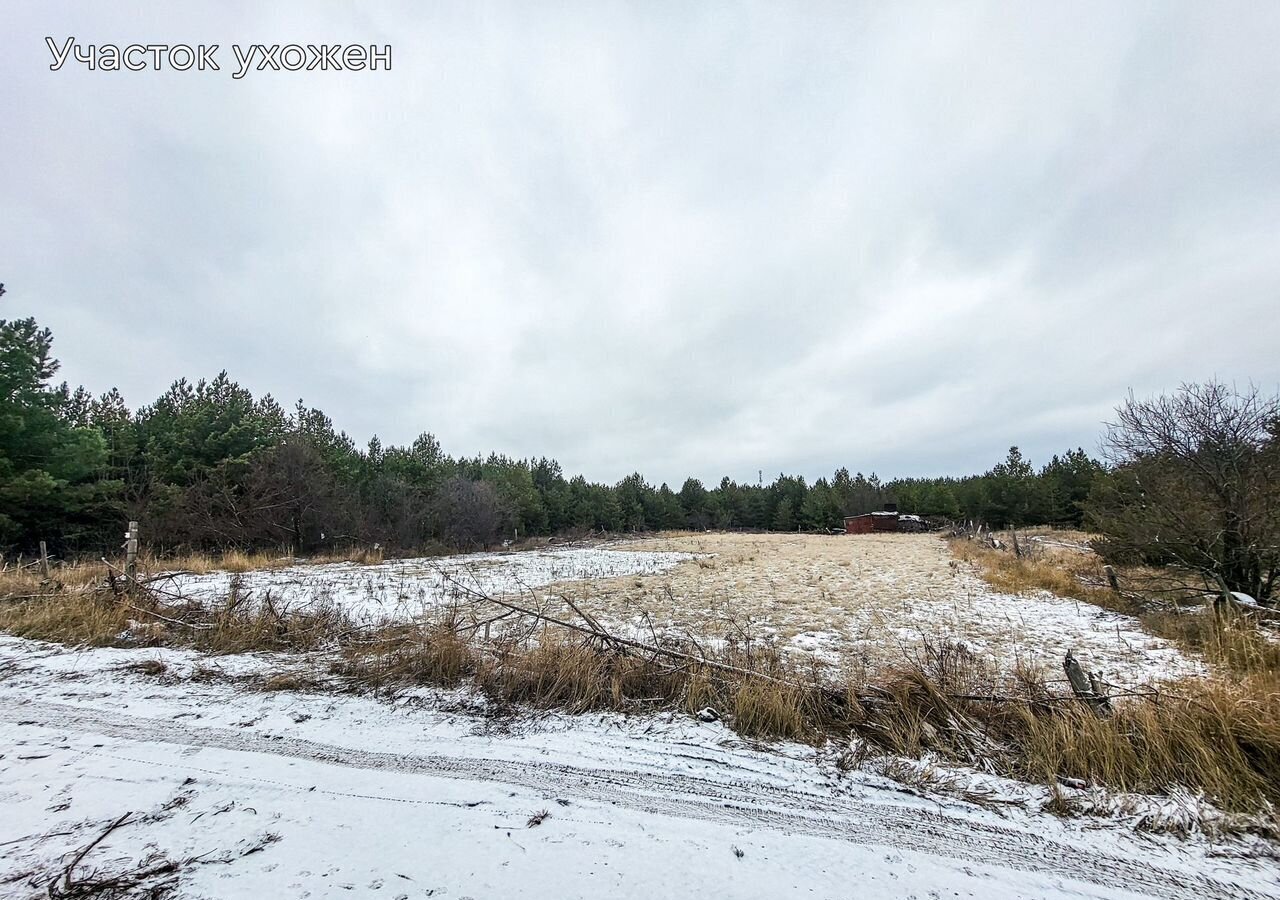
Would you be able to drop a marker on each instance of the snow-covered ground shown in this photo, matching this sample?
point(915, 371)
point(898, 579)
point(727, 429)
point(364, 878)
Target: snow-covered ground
point(284, 794)
point(403, 588)
point(872, 599)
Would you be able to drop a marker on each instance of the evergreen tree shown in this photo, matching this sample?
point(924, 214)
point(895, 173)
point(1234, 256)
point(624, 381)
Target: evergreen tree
point(693, 499)
point(1015, 494)
point(669, 511)
point(1067, 482)
point(634, 496)
point(819, 512)
point(784, 518)
point(51, 460)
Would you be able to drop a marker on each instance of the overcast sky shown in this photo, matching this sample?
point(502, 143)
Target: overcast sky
point(684, 238)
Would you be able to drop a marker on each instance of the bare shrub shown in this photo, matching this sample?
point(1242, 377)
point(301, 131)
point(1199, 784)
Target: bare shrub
point(1196, 484)
point(470, 513)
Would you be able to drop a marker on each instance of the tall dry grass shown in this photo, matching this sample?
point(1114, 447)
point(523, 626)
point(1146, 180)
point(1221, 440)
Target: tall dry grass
point(1168, 605)
point(66, 618)
point(239, 561)
point(1064, 572)
point(110, 612)
point(27, 579)
point(1217, 735)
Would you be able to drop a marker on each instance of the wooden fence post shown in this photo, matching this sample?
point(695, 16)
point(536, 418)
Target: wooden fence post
point(1086, 687)
point(1112, 579)
point(131, 551)
point(44, 560)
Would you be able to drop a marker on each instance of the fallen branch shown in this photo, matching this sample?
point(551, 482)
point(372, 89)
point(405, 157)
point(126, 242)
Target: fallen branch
point(195, 626)
point(619, 642)
point(66, 873)
point(145, 586)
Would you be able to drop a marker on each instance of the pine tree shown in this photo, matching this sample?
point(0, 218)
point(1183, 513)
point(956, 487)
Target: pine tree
point(50, 462)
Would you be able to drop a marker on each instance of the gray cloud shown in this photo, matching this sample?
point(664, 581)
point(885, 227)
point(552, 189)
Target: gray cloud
point(684, 240)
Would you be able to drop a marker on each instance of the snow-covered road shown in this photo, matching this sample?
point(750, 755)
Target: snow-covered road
point(316, 795)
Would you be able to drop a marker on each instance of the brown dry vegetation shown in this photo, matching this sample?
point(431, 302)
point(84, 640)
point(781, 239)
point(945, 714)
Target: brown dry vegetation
point(239, 561)
point(1166, 604)
point(1219, 733)
point(1216, 735)
point(864, 598)
point(76, 573)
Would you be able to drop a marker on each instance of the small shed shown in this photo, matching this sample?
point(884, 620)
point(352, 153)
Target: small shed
point(871, 522)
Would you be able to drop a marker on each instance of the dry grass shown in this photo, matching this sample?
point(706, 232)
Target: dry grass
point(1157, 598)
point(1219, 734)
point(240, 561)
point(1216, 735)
point(73, 618)
point(863, 597)
point(100, 618)
point(1235, 645)
point(564, 671)
point(406, 654)
point(72, 605)
point(204, 563)
point(761, 708)
point(1065, 574)
point(27, 580)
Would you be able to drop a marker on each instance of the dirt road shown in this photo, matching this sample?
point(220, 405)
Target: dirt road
point(341, 782)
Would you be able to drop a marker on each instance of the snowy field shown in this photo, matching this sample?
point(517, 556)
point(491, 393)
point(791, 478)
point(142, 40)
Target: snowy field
point(401, 589)
point(868, 600)
point(873, 600)
point(220, 790)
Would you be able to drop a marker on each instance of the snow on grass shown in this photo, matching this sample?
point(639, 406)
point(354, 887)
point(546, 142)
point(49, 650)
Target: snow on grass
point(867, 598)
point(874, 598)
point(404, 588)
point(322, 794)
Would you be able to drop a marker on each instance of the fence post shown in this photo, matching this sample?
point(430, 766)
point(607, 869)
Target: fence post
point(1086, 687)
point(44, 560)
point(1112, 579)
point(131, 551)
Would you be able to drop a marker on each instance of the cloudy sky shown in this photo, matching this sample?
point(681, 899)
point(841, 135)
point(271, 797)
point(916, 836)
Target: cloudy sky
point(684, 238)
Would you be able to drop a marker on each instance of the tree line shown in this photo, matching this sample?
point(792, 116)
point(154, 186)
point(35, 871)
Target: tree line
point(209, 466)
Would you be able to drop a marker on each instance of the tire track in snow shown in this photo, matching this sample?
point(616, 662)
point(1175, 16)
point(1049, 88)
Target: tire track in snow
point(740, 803)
